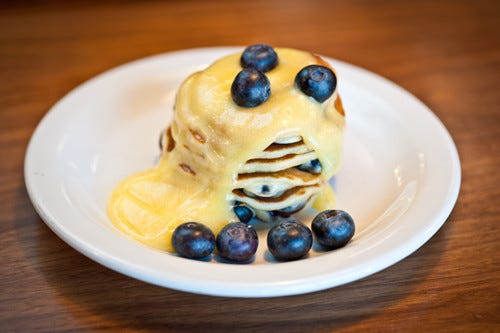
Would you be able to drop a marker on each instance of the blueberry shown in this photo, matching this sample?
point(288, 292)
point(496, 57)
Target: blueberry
point(265, 189)
point(250, 88)
point(333, 228)
point(243, 212)
point(289, 240)
point(313, 166)
point(316, 81)
point(193, 240)
point(237, 242)
point(259, 56)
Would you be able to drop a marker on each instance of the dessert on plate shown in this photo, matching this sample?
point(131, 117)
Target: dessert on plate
point(255, 135)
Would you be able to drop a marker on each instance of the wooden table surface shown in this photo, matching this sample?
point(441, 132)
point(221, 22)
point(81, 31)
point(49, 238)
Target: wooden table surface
point(447, 53)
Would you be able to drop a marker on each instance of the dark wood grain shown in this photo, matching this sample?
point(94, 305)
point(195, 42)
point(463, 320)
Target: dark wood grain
point(447, 53)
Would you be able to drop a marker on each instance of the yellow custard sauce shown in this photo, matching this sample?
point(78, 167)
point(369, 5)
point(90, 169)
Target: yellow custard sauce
point(210, 139)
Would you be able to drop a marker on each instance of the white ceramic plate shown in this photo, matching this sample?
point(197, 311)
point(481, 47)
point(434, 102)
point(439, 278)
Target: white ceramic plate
point(400, 178)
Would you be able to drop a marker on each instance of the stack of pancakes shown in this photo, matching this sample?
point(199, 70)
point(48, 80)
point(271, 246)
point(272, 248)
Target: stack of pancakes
point(274, 173)
point(279, 182)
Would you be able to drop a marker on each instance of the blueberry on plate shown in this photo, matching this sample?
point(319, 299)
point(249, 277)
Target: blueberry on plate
point(259, 56)
point(193, 240)
point(316, 81)
point(289, 240)
point(250, 88)
point(237, 242)
point(333, 228)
